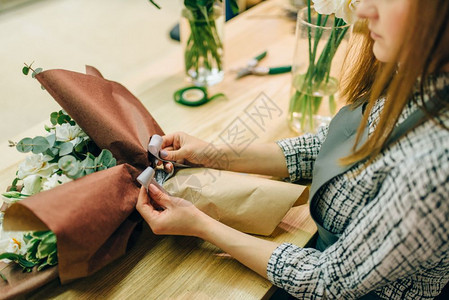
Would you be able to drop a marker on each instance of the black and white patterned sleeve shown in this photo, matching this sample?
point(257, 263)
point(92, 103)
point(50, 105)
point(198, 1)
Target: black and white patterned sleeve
point(403, 231)
point(301, 152)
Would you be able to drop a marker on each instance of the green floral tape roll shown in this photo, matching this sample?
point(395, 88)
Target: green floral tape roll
point(193, 96)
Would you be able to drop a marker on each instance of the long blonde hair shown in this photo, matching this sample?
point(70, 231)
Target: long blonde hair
point(425, 51)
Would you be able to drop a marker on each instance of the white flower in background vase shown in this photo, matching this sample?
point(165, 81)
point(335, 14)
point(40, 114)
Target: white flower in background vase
point(54, 181)
point(69, 133)
point(32, 185)
point(344, 9)
point(36, 164)
point(326, 7)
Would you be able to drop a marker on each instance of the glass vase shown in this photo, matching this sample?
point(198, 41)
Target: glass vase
point(202, 41)
point(321, 42)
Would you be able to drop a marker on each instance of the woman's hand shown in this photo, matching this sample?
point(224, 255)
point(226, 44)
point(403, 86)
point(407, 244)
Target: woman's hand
point(265, 159)
point(175, 216)
point(184, 149)
point(167, 214)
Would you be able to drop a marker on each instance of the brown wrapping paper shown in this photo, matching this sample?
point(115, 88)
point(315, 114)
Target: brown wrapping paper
point(247, 203)
point(90, 217)
point(113, 117)
point(94, 216)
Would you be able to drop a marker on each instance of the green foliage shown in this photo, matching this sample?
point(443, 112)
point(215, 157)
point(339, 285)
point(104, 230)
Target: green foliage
point(60, 118)
point(36, 145)
point(14, 196)
point(42, 251)
point(26, 70)
point(74, 169)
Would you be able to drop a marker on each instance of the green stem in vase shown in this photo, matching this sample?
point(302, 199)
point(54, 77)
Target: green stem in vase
point(316, 82)
point(204, 46)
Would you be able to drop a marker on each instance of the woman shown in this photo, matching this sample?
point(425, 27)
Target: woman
point(383, 212)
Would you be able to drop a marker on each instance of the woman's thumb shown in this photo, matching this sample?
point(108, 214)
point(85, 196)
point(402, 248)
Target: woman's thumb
point(170, 155)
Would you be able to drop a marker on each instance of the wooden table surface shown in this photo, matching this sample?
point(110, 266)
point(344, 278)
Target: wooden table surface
point(167, 267)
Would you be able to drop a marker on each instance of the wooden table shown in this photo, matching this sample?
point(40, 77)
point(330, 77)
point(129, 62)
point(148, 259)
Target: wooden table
point(167, 267)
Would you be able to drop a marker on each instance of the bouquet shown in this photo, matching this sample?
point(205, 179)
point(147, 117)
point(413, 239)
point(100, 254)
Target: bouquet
point(65, 153)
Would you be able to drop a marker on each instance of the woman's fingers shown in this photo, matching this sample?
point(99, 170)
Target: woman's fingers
point(168, 167)
point(159, 197)
point(143, 205)
point(167, 140)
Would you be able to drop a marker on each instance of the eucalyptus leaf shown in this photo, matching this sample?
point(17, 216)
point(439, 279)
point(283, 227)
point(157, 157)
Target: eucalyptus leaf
point(51, 139)
point(88, 165)
point(40, 144)
point(35, 72)
point(25, 70)
point(80, 147)
point(69, 165)
point(25, 145)
point(54, 118)
point(62, 119)
point(52, 152)
point(106, 159)
point(65, 148)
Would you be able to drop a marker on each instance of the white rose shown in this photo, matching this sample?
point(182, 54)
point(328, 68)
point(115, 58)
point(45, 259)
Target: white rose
point(36, 164)
point(31, 185)
point(69, 133)
point(54, 181)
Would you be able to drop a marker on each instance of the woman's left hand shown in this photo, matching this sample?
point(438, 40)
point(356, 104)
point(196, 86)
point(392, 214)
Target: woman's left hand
point(167, 214)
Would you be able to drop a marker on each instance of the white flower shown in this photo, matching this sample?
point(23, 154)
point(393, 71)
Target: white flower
point(344, 9)
point(54, 181)
point(32, 185)
point(12, 242)
point(69, 133)
point(326, 7)
point(36, 164)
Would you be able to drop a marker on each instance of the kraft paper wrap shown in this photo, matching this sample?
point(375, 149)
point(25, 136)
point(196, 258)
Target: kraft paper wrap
point(94, 217)
point(247, 203)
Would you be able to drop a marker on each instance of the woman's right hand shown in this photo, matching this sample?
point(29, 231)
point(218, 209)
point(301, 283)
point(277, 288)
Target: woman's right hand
point(184, 149)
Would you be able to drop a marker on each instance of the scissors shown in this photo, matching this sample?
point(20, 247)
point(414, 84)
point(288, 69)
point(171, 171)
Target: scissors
point(251, 68)
point(148, 175)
